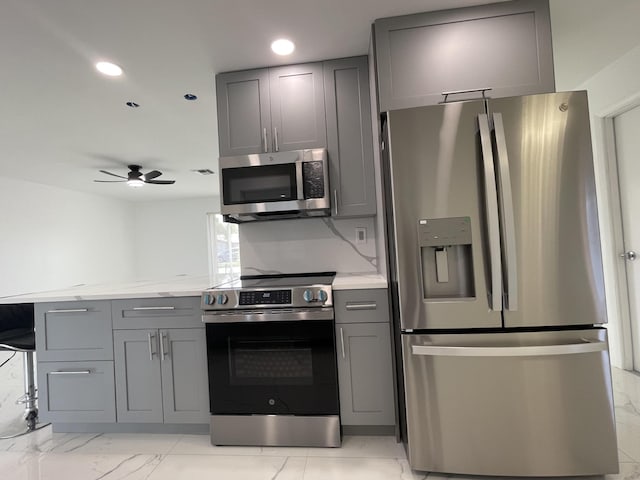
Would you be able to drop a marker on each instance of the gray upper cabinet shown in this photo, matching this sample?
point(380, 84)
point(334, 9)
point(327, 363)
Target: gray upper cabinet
point(503, 46)
point(349, 136)
point(271, 109)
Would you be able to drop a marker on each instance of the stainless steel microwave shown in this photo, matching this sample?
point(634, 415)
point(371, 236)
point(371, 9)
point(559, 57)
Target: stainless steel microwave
point(276, 185)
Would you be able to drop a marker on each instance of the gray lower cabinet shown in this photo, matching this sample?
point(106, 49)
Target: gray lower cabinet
point(350, 137)
point(161, 376)
point(365, 364)
point(76, 392)
point(271, 109)
point(504, 46)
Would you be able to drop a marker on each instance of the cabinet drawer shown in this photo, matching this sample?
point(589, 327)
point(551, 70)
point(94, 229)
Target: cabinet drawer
point(355, 306)
point(74, 331)
point(71, 392)
point(170, 312)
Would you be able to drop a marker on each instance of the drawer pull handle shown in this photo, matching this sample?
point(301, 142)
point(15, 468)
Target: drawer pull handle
point(154, 308)
point(361, 306)
point(69, 310)
point(71, 372)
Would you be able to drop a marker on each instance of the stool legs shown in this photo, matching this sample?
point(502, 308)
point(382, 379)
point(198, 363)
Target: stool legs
point(29, 399)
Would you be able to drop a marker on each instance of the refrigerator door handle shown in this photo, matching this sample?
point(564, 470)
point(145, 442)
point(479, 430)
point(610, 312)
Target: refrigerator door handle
point(508, 222)
point(491, 204)
point(527, 351)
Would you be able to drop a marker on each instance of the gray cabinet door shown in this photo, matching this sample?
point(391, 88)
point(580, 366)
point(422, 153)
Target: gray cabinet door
point(365, 374)
point(185, 385)
point(297, 107)
point(70, 392)
point(73, 331)
point(503, 46)
point(244, 119)
point(349, 136)
point(137, 373)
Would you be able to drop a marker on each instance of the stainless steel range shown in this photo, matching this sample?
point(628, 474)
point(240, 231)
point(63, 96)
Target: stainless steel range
point(272, 361)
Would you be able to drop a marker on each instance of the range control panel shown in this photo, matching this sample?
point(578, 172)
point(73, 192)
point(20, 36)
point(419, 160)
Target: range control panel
point(265, 297)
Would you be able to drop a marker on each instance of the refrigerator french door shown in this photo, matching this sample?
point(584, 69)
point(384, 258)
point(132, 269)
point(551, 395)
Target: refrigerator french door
point(496, 262)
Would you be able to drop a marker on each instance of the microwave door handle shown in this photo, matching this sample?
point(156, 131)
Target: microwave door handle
point(508, 216)
point(299, 181)
point(491, 205)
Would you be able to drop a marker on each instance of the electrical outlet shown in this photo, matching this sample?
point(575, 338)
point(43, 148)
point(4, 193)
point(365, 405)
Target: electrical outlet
point(361, 235)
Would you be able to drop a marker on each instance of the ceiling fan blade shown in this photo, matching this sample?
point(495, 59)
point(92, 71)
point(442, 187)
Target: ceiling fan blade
point(110, 181)
point(161, 182)
point(151, 175)
point(112, 174)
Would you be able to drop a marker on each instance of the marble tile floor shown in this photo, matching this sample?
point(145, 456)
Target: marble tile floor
point(44, 455)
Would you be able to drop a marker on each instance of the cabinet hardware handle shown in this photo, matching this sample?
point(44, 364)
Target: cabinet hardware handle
point(342, 342)
point(264, 139)
point(361, 306)
point(335, 201)
point(275, 139)
point(458, 92)
point(154, 308)
point(69, 310)
point(70, 372)
point(152, 351)
point(164, 350)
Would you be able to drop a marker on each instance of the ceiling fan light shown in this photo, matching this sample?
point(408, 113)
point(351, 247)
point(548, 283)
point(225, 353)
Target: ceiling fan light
point(135, 183)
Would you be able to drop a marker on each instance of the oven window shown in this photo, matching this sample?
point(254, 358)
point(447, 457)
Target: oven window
point(268, 183)
point(270, 362)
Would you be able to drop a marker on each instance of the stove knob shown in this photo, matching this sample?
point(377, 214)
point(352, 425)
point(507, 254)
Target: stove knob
point(222, 299)
point(322, 296)
point(308, 296)
point(206, 299)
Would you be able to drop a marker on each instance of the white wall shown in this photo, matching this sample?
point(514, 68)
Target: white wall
point(52, 238)
point(610, 91)
point(170, 237)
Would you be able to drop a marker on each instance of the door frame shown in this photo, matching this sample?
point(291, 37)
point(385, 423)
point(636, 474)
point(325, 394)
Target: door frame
point(606, 119)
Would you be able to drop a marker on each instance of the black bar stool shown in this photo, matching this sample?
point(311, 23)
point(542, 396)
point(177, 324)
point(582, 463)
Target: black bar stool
point(17, 334)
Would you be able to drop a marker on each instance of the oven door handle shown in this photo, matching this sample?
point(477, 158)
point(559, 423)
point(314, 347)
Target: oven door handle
point(268, 316)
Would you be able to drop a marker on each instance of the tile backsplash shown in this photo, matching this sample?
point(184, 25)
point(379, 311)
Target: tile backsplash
point(308, 245)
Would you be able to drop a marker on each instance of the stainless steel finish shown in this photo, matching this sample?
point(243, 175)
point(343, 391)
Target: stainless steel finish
point(531, 351)
point(436, 183)
point(299, 207)
point(70, 372)
point(361, 306)
point(531, 415)
point(268, 315)
point(151, 337)
point(557, 239)
point(299, 181)
point(164, 345)
point(630, 255)
point(265, 147)
point(276, 430)
point(276, 147)
point(507, 214)
point(491, 205)
point(154, 308)
point(342, 342)
point(68, 310)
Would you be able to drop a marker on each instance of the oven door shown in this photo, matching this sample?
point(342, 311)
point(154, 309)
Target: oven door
point(275, 367)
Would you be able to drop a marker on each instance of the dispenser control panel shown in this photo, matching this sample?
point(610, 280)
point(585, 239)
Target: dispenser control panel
point(437, 232)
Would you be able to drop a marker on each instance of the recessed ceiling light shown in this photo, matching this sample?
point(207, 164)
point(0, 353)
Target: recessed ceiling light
point(282, 46)
point(108, 68)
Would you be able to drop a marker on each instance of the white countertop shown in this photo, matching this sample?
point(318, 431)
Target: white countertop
point(178, 286)
point(358, 281)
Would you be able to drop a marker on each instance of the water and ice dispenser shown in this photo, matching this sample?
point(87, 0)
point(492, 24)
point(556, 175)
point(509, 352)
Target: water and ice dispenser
point(446, 258)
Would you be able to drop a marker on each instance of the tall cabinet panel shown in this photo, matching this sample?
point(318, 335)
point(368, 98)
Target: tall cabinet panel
point(244, 119)
point(349, 136)
point(502, 46)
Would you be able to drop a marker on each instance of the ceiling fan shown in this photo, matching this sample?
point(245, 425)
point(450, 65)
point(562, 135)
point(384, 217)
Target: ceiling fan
point(136, 178)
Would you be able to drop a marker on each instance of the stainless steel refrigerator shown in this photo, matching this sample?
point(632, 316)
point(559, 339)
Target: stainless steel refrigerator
point(497, 287)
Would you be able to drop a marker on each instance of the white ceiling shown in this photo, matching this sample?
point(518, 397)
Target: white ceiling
point(61, 121)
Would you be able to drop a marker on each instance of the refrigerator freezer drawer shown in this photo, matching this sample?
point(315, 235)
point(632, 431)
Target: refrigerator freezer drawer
point(517, 404)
